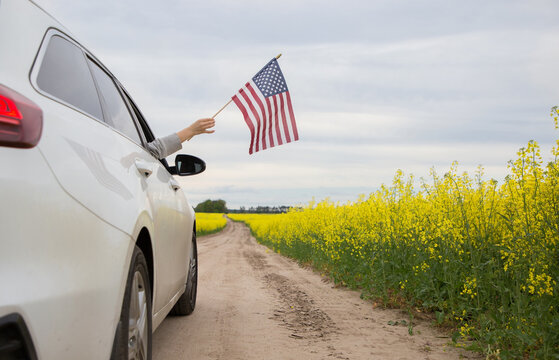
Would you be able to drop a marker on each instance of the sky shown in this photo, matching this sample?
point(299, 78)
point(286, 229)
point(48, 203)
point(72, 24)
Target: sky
point(376, 85)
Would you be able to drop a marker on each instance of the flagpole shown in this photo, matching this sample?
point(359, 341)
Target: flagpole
point(223, 107)
point(229, 102)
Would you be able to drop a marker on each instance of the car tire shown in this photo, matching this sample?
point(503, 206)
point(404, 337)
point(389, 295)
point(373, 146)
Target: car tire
point(133, 335)
point(187, 302)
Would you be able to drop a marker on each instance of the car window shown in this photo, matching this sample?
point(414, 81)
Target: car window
point(144, 127)
point(65, 75)
point(115, 106)
point(141, 121)
point(134, 112)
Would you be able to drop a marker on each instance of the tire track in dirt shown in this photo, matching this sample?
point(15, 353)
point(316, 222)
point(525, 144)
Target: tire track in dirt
point(256, 304)
point(297, 312)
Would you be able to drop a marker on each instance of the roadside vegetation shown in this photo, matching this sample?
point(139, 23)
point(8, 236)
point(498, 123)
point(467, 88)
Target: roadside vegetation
point(209, 223)
point(211, 206)
point(482, 257)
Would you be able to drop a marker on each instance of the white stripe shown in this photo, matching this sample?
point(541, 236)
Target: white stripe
point(257, 131)
point(288, 117)
point(257, 144)
point(280, 121)
point(274, 132)
point(263, 116)
point(250, 114)
point(277, 119)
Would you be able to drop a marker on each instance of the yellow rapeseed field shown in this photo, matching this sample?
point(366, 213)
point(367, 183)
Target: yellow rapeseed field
point(209, 223)
point(482, 257)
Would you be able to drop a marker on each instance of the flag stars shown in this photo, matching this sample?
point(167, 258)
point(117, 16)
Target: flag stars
point(270, 80)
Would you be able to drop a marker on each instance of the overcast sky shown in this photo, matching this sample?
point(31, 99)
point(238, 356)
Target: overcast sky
point(376, 85)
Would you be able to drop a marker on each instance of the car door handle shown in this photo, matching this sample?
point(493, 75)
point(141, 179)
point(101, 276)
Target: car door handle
point(174, 184)
point(143, 167)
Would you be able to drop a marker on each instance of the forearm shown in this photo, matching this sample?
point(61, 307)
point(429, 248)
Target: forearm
point(165, 146)
point(185, 134)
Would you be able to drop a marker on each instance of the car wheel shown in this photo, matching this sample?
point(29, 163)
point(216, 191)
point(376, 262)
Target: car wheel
point(133, 335)
point(187, 301)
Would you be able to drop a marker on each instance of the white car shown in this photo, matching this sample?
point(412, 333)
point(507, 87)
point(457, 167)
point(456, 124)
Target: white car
point(97, 240)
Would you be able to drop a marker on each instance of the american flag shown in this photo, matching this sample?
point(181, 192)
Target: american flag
point(266, 107)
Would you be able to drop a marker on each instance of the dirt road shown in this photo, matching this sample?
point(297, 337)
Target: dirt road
point(255, 304)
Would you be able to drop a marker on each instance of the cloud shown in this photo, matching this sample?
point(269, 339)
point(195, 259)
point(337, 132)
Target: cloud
point(376, 85)
point(344, 170)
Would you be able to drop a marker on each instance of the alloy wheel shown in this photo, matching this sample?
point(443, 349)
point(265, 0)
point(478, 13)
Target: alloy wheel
point(138, 322)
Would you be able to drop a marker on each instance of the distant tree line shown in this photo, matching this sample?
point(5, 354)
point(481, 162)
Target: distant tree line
point(262, 210)
point(211, 206)
point(219, 206)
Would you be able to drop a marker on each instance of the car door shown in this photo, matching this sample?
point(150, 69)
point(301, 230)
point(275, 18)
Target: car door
point(164, 201)
point(83, 152)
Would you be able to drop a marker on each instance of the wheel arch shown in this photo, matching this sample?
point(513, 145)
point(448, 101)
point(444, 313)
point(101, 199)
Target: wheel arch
point(144, 243)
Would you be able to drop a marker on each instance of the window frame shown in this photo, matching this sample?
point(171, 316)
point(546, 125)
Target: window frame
point(135, 110)
point(146, 133)
point(142, 127)
point(91, 59)
point(88, 56)
point(34, 72)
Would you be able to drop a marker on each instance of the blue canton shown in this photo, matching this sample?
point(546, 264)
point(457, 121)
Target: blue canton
point(270, 80)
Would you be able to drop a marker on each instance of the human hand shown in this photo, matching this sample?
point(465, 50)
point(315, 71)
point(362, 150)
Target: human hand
point(198, 127)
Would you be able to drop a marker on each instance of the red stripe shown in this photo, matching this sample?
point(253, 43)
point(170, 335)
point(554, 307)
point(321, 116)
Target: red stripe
point(256, 117)
point(247, 120)
point(257, 99)
point(276, 120)
point(293, 125)
point(284, 121)
point(270, 122)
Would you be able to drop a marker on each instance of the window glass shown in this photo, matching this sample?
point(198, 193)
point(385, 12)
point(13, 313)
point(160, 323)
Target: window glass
point(143, 128)
point(64, 74)
point(115, 106)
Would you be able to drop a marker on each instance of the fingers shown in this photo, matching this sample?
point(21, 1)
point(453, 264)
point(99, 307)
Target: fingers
point(206, 121)
point(204, 124)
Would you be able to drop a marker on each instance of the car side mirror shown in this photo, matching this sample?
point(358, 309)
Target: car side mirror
point(186, 165)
